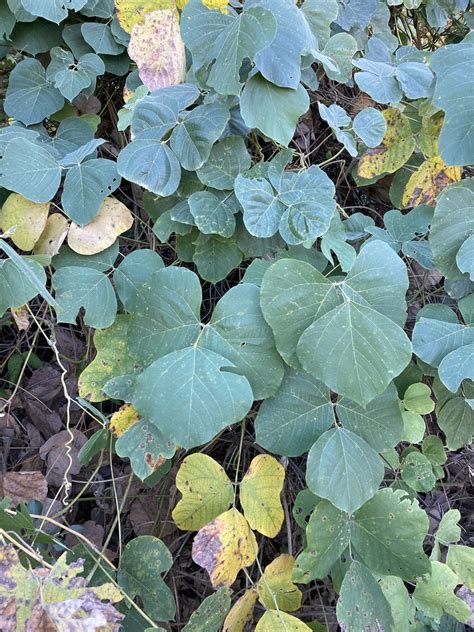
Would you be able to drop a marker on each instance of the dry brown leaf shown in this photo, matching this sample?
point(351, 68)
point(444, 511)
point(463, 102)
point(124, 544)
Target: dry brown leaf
point(112, 220)
point(21, 318)
point(53, 235)
point(158, 50)
point(57, 460)
point(21, 487)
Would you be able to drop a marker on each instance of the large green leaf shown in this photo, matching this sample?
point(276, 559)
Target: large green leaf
point(226, 39)
point(133, 272)
point(291, 421)
point(71, 77)
point(238, 331)
point(213, 213)
point(262, 208)
point(88, 288)
point(30, 169)
point(456, 420)
point(30, 97)
point(380, 423)
point(16, 288)
point(193, 137)
point(100, 38)
point(143, 561)
point(451, 227)
point(320, 14)
point(216, 257)
point(166, 314)
point(211, 614)
point(362, 604)
point(52, 10)
point(86, 186)
point(434, 594)
point(228, 158)
point(452, 65)
point(191, 395)
point(272, 110)
point(343, 468)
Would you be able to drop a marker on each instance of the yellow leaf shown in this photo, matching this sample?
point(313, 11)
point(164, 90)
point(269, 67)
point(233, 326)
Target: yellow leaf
point(158, 50)
point(275, 587)
point(53, 235)
point(429, 134)
point(112, 360)
point(260, 495)
point(216, 4)
point(21, 317)
point(131, 12)
point(123, 419)
point(274, 621)
point(28, 218)
point(225, 546)
point(241, 612)
point(206, 489)
point(431, 177)
point(112, 220)
point(396, 148)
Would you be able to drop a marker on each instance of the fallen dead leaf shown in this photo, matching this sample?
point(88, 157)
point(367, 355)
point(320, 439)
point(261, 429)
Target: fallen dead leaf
point(21, 487)
point(57, 460)
point(21, 318)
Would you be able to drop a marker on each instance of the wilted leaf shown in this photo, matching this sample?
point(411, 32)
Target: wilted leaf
point(21, 487)
point(53, 235)
point(260, 491)
point(28, 218)
point(274, 621)
point(123, 419)
point(112, 220)
point(206, 492)
point(56, 599)
point(275, 587)
point(158, 50)
point(431, 177)
point(224, 547)
point(396, 148)
point(241, 612)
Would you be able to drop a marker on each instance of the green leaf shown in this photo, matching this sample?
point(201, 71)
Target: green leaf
point(212, 213)
point(343, 468)
point(227, 39)
point(354, 613)
point(327, 536)
point(464, 258)
point(197, 390)
point(274, 111)
point(280, 61)
point(417, 472)
point(52, 10)
point(388, 534)
point(30, 170)
point(210, 615)
point(380, 423)
point(451, 66)
point(433, 449)
point(456, 420)
point(238, 332)
point(146, 448)
point(100, 38)
point(69, 77)
point(133, 272)
point(206, 492)
point(401, 605)
point(193, 137)
point(370, 126)
point(452, 225)
point(461, 560)
point(340, 48)
point(166, 314)
point(262, 208)
point(303, 507)
point(417, 399)
point(88, 288)
point(448, 531)
point(85, 188)
point(16, 288)
point(143, 561)
point(36, 37)
point(434, 594)
point(320, 14)
point(298, 414)
point(216, 257)
point(228, 158)
point(30, 97)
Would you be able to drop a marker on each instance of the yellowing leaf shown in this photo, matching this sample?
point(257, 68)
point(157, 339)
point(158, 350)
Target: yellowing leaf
point(431, 177)
point(123, 419)
point(241, 612)
point(216, 4)
point(225, 546)
point(274, 621)
point(275, 588)
point(429, 134)
point(53, 235)
point(396, 148)
point(21, 317)
point(206, 489)
point(158, 50)
point(131, 12)
point(112, 220)
point(29, 219)
point(260, 495)
point(435, 593)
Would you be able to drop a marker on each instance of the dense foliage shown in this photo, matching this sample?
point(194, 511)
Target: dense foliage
point(265, 212)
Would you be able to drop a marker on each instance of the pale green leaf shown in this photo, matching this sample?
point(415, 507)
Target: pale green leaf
point(461, 560)
point(133, 272)
point(228, 158)
point(434, 594)
point(212, 213)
